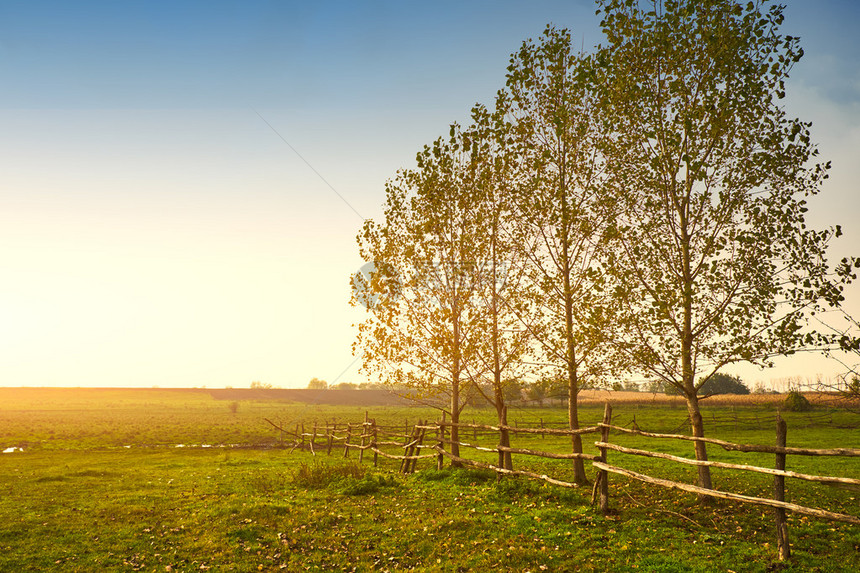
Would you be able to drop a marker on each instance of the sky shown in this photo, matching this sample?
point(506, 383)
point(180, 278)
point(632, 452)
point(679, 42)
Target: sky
point(181, 183)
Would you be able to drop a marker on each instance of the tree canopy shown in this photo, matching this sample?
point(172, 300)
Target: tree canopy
point(644, 203)
point(715, 263)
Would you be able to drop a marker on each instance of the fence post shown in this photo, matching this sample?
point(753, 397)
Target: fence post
point(603, 478)
point(373, 442)
point(329, 431)
point(314, 439)
point(779, 492)
point(440, 433)
point(346, 440)
point(416, 451)
point(404, 464)
point(363, 432)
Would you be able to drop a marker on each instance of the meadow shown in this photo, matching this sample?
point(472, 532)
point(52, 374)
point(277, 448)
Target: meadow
point(175, 480)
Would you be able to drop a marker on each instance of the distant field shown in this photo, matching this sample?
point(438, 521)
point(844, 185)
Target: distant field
point(601, 396)
point(101, 485)
point(82, 418)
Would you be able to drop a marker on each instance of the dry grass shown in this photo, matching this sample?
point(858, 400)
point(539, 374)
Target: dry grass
point(760, 400)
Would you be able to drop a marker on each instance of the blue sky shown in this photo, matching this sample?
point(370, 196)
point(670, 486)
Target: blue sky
point(156, 231)
point(353, 55)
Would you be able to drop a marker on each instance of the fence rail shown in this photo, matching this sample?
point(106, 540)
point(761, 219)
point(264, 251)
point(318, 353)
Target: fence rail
point(731, 496)
point(724, 465)
point(368, 436)
point(852, 452)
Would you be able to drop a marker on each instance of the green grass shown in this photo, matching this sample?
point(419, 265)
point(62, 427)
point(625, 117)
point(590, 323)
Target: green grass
point(75, 501)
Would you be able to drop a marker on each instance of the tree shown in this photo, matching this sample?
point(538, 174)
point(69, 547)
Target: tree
point(502, 291)
point(715, 264)
point(720, 383)
point(421, 329)
point(850, 391)
point(317, 384)
point(537, 391)
point(846, 352)
point(550, 101)
point(656, 386)
point(631, 387)
point(370, 386)
point(257, 385)
point(449, 247)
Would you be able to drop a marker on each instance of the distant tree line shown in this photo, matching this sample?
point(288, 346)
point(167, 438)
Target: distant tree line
point(317, 384)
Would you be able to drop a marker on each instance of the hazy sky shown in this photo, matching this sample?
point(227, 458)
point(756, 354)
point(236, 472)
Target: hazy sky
point(155, 230)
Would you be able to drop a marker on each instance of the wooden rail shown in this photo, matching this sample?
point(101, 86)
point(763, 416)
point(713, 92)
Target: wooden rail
point(852, 452)
point(771, 471)
point(728, 495)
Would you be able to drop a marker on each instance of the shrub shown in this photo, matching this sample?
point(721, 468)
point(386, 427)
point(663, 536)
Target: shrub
point(459, 476)
point(433, 475)
point(513, 489)
point(467, 476)
point(318, 476)
point(364, 486)
point(796, 402)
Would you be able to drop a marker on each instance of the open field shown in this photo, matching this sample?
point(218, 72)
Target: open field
point(99, 487)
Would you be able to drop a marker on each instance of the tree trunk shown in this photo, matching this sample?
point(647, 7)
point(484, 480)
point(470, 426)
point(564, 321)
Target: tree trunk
point(573, 395)
point(505, 460)
point(455, 418)
point(687, 372)
point(698, 428)
point(501, 410)
point(573, 423)
point(572, 378)
point(697, 424)
point(455, 383)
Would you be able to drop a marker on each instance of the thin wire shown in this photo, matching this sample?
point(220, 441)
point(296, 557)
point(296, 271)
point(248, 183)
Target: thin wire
point(347, 203)
point(345, 370)
point(309, 165)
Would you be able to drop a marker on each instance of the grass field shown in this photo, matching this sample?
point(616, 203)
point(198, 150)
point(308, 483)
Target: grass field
point(100, 485)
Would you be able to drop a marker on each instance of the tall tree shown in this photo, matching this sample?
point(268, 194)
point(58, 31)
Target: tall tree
point(550, 100)
point(503, 288)
point(716, 263)
point(447, 290)
point(421, 327)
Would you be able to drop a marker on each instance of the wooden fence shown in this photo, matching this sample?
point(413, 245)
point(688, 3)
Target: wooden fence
point(779, 472)
point(368, 436)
